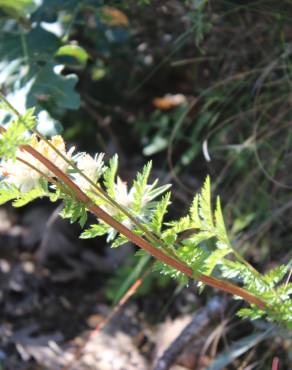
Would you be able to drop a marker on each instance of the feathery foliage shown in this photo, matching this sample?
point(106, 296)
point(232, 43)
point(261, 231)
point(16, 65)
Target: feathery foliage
point(199, 240)
point(16, 133)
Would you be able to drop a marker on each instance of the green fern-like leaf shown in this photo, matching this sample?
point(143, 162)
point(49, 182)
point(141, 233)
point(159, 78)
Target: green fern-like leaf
point(120, 240)
point(284, 291)
point(153, 191)
point(140, 185)
point(159, 213)
point(194, 255)
point(94, 231)
point(166, 270)
point(8, 193)
point(182, 224)
point(275, 275)
point(83, 217)
point(252, 282)
point(74, 210)
point(25, 198)
point(29, 119)
point(251, 313)
point(205, 209)
point(197, 238)
point(214, 259)
point(54, 196)
point(110, 176)
point(194, 212)
point(234, 270)
point(220, 228)
point(169, 236)
point(15, 134)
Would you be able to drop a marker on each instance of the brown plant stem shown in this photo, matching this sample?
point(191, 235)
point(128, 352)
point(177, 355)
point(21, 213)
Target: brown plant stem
point(49, 178)
point(139, 241)
point(96, 188)
point(136, 239)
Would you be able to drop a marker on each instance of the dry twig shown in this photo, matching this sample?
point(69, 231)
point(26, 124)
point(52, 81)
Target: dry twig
point(201, 319)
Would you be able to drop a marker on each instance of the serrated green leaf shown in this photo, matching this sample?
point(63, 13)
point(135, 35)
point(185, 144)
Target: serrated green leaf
point(83, 217)
point(214, 259)
point(199, 237)
point(275, 275)
point(184, 223)
point(169, 236)
point(284, 290)
point(120, 240)
point(220, 228)
point(25, 198)
point(140, 186)
point(252, 282)
point(194, 256)
point(7, 194)
point(73, 210)
point(251, 313)
point(94, 231)
point(153, 191)
point(55, 196)
point(28, 119)
point(166, 270)
point(205, 209)
point(194, 212)
point(15, 134)
point(110, 176)
point(234, 269)
point(159, 213)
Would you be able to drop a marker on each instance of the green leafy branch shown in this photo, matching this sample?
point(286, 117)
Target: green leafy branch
point(195, 246)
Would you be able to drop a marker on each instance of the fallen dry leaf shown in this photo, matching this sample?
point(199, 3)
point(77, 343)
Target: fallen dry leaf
point(114, 17)
point(169, 101)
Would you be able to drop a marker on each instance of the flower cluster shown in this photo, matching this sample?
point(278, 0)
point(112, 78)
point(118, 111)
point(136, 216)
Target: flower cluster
point(19, 174)
point(91, 167)
point(27, 172)
point(122, 195)
point(24, 177)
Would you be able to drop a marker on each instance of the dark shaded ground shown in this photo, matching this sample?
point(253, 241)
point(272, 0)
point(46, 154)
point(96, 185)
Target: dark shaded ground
point(51, 305)
point(50, 301)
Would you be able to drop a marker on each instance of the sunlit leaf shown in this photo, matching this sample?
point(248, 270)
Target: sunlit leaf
point(73, 55)
point(18, 7)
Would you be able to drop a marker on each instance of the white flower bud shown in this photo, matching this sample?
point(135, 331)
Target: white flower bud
point(23, 176)
point(91, 167)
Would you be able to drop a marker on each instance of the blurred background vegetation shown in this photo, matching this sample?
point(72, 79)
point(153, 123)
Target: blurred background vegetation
point(197, 86)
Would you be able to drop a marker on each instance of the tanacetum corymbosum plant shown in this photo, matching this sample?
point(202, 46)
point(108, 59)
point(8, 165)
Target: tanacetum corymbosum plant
point(195, 246)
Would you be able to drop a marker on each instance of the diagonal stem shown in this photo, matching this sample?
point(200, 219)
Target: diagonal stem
point(97, 189)
point(139, 241)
